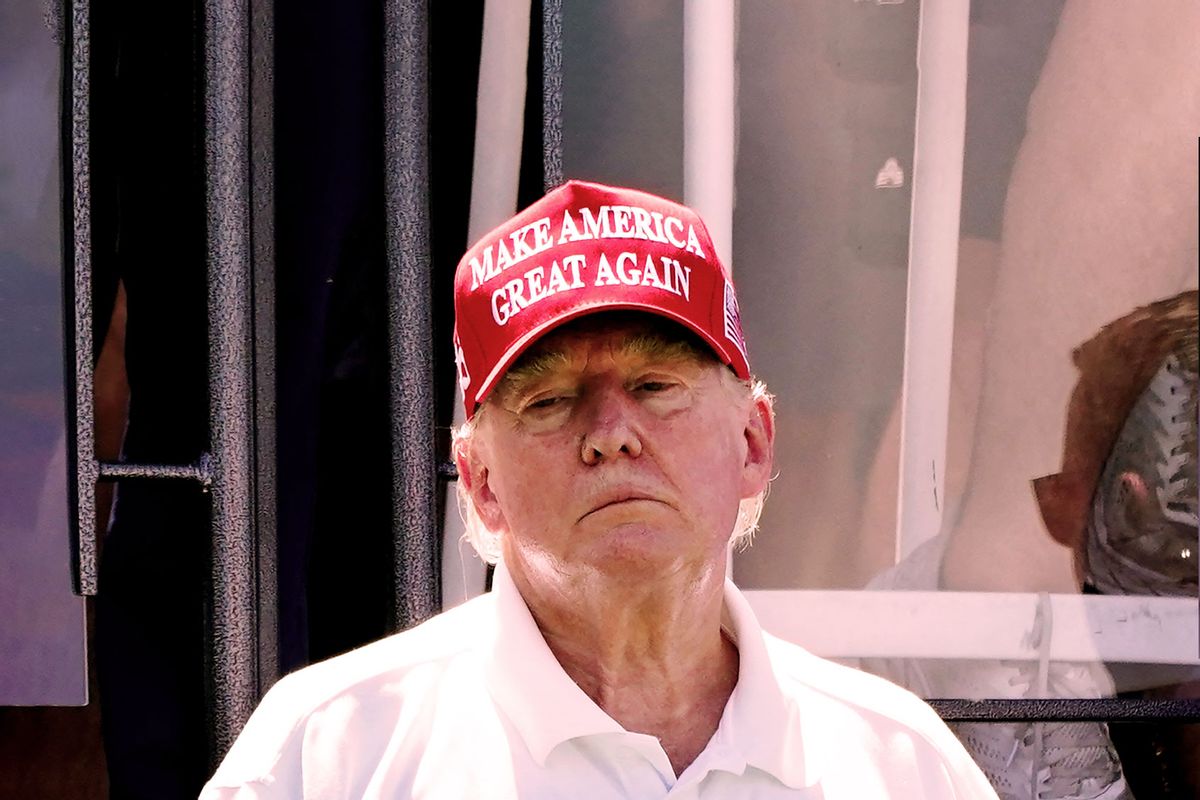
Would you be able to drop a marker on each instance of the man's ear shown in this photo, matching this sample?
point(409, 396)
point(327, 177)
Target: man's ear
point(760, 446)
point(474, 476)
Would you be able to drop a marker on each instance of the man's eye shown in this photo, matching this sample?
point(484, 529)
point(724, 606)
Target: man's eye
point(545, 403)
point(655, 387)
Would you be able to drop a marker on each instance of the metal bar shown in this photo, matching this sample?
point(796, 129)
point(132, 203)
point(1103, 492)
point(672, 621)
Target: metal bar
point(710, 116)
point(233, 682)
point(417, 577)
point(499, 115)
point(932, 269)
point(1068, 710)
point(501, 131)
point(83, 457)
point(1117, 629)
point(552, 93)
point(200, 472)
point(262, 197)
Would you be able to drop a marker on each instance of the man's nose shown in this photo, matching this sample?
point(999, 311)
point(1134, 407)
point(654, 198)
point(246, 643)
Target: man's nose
point(611, 428)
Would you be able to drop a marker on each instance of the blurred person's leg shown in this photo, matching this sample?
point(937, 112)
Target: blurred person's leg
point(977, 258)
point(1100, 218)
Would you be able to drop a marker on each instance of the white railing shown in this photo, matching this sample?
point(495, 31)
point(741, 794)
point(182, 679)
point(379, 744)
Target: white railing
point(984, 625)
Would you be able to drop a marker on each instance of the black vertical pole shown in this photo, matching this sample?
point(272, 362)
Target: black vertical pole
point(552, 92)
point(414, 470)
point(232, 667)
point(262, 215)
point(79, 333)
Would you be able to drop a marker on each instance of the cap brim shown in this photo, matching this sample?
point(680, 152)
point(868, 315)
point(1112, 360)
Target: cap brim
point(519, 346)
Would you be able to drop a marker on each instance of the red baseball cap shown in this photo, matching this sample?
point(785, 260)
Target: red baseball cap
point(582, 249)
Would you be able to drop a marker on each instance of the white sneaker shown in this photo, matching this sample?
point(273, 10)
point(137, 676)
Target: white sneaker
point(1023, 761)
point(1072, 760)
point(1039, 760)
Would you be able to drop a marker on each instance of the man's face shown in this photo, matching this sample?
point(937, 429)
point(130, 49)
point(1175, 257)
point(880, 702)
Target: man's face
point(613, 447)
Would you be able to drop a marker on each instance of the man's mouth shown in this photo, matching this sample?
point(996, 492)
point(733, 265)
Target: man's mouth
point(615, 499)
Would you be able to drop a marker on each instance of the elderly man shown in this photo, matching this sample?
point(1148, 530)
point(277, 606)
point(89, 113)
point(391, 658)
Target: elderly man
point(615, 442)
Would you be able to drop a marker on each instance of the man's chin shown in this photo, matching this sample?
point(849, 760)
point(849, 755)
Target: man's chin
point(637, 549)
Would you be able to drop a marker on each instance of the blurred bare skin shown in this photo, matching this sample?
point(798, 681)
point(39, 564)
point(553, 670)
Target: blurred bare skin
point(976, 277)
point(1100, 218)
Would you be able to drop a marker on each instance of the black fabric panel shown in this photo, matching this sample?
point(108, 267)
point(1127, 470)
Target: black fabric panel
point(148, 228)
point(455, 37)
point(331, 365)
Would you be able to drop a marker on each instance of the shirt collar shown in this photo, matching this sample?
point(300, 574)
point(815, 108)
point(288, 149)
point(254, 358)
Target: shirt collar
point(527, 682)
point(760, 721)
point(548, 708)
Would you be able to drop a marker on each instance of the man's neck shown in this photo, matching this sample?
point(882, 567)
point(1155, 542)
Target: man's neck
point(653, 656)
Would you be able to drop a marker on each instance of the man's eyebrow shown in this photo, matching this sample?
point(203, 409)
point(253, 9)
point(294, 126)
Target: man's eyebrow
point(534, 366)
point(530, 368)
point(657, 347)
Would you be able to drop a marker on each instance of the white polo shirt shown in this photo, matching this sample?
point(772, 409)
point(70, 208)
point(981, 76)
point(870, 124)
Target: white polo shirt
point(473, 704)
